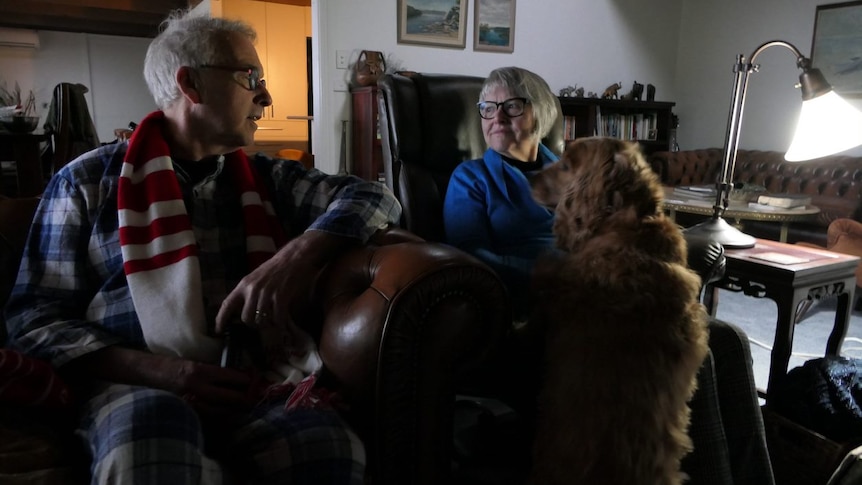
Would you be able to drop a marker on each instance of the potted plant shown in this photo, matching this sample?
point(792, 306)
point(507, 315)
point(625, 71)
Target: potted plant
point(16, 115)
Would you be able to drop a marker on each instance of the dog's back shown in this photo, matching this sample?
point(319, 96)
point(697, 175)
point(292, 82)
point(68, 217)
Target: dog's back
point(626, 337)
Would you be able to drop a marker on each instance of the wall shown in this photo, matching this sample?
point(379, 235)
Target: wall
point(712, 34)
point(110, 66)
point(687, 51)
point(591, 44)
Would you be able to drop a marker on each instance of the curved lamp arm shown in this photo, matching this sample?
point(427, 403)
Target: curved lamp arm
point(817, 94)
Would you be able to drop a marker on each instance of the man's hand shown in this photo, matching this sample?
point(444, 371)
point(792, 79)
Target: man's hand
point(267, 294)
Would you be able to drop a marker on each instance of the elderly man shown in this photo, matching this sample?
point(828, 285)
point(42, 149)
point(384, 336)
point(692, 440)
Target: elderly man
point(141, 255)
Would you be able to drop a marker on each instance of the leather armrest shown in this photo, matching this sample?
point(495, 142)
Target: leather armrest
point(402, 323)
point(845, 236)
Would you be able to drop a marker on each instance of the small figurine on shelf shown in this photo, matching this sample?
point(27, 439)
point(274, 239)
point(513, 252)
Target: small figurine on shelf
point(579, 93)
point(611, 91)
point(635, 93)
point(567, 91)
point(592, 95)
point(650, 92)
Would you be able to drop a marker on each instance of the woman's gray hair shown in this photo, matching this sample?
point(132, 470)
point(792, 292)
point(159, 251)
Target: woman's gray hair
point(526, 84)
point(190, 40)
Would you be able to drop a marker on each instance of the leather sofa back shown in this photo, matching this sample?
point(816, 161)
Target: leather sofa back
point(834, 182)
point(428, 125)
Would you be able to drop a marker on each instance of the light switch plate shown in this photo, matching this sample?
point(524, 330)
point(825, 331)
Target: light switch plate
point(342, 59)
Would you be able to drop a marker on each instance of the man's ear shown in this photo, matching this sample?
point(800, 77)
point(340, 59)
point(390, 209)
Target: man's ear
point(189, 83)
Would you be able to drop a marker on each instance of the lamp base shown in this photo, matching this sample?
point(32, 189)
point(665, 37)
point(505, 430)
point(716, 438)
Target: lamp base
point(717, 229)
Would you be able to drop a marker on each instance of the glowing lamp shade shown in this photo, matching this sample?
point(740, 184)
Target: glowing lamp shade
point(827, 124)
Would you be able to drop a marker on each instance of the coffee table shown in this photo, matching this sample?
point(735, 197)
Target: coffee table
point(789, 274)
point(739, 211)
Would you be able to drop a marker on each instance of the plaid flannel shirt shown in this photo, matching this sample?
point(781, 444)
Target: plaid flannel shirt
point(71, 295)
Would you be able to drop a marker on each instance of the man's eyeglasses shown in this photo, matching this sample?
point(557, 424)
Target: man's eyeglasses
point(513, 107)
point(251, 79)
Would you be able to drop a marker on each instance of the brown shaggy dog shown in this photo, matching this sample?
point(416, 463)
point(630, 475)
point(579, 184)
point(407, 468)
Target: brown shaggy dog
point(626, 334)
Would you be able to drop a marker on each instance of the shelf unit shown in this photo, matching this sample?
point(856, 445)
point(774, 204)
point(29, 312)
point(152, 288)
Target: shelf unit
point(593, 116)
point(367, 151)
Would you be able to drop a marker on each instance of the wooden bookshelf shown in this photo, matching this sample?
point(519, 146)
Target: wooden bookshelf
point(626, 119)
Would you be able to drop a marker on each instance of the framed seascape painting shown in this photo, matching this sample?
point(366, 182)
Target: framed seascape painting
point(494, 26)
point(837, 46)
point(441, 23)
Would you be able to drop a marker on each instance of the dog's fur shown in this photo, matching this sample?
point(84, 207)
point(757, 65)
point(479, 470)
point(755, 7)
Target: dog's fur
point(626, 334)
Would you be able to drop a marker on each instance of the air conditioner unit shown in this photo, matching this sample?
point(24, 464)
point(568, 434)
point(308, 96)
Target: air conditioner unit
point(19, 38)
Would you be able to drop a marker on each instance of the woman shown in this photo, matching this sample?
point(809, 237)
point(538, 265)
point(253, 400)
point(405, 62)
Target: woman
point(488, 210)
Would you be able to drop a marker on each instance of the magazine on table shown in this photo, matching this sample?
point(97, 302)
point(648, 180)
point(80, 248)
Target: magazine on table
point(699, 192)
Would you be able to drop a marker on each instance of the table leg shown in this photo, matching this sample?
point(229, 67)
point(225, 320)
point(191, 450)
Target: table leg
point(710, 299)
point(782, 346)
point(842, 320)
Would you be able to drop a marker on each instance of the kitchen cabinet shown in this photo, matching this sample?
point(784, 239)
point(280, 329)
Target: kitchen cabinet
point(281, 45)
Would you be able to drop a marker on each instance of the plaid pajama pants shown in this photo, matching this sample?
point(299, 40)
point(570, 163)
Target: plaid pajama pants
point(138, 435)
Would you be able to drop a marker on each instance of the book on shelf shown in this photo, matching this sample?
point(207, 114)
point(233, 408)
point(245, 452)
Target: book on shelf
point(569, 127)
point(785, 201)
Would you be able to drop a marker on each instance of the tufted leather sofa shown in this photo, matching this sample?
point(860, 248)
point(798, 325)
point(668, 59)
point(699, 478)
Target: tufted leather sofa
point(402, 324)
point(834, 183)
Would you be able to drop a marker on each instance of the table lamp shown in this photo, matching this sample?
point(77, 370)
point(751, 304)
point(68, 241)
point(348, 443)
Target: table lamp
point(827, 124)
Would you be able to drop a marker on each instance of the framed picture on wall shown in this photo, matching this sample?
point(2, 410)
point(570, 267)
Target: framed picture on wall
point(837, 46)
point(494, 26)
point(440, 23)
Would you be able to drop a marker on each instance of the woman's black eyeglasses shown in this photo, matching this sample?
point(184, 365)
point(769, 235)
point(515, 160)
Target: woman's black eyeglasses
point(250, 81)
point(513, 107)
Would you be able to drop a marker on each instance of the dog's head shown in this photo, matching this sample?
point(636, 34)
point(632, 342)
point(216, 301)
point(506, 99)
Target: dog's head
point(599, 182)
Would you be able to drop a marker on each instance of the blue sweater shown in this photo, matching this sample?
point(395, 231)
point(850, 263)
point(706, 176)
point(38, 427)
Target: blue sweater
point(489, 213)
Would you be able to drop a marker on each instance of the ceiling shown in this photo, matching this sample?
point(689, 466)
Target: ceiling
point(135, 18)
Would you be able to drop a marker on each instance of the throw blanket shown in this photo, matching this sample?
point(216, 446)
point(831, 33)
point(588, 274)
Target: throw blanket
point(30, 382)
point(823, 395)
point(160, 255)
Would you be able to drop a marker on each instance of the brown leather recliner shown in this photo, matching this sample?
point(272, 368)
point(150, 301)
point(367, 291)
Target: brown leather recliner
point(401, 322)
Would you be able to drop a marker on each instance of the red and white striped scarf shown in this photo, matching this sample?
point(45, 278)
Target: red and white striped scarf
point(160, 252)
point(160, 258)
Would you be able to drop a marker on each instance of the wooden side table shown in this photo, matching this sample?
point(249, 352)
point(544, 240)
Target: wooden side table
point(789, 274)
point(25, 150)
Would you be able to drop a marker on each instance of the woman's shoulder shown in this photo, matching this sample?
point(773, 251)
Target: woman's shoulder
point(471, 166)
point(486, 165)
